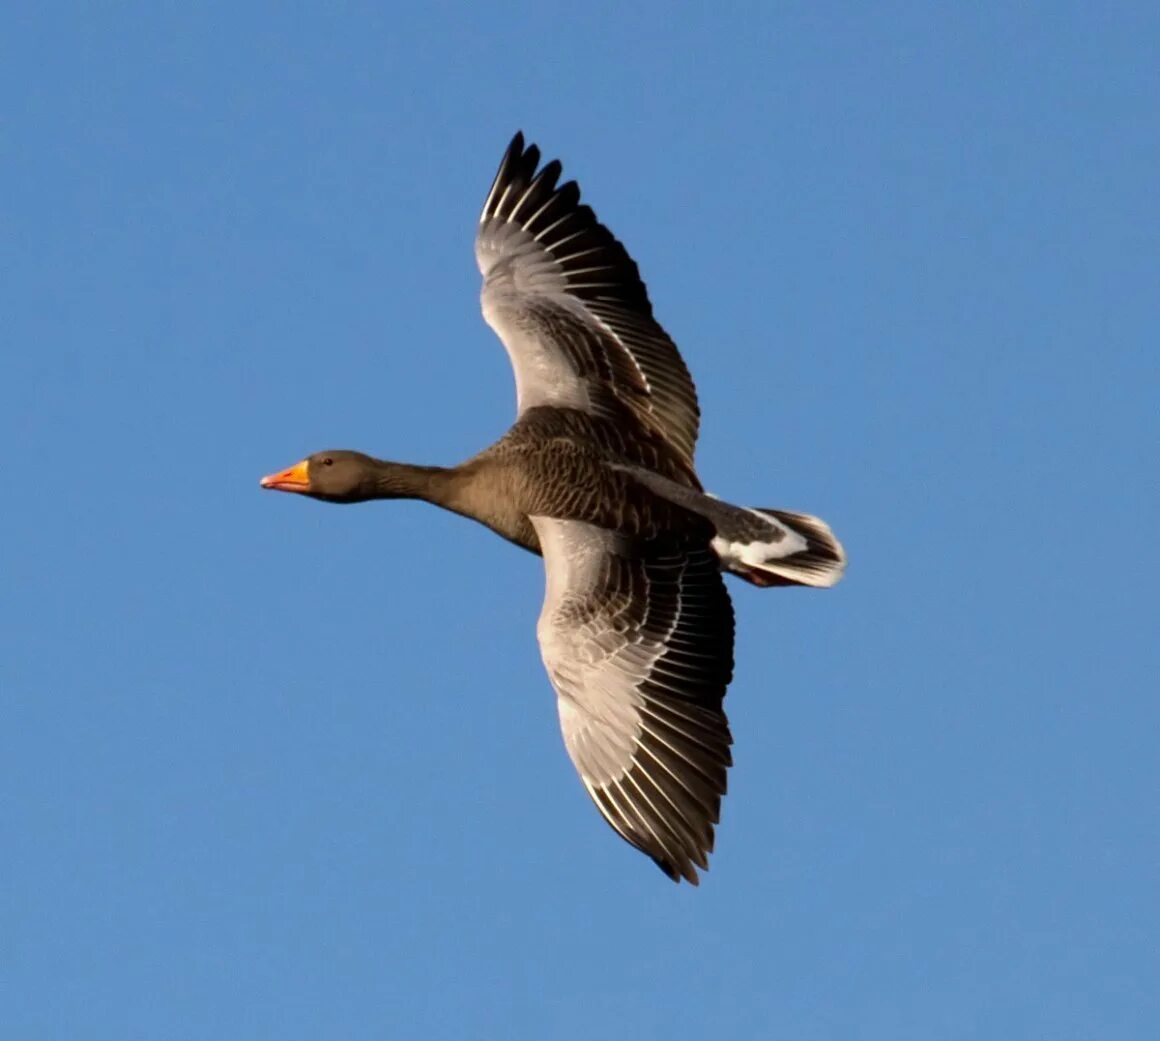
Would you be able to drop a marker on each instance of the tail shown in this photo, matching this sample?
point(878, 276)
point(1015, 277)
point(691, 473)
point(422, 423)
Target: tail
point(778, 548)
point(765, 547)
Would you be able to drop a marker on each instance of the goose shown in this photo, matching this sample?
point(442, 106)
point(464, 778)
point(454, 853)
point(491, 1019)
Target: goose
point(597, 476)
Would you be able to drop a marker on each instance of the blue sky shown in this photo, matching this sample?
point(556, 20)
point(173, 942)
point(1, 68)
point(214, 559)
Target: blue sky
point(273, 769)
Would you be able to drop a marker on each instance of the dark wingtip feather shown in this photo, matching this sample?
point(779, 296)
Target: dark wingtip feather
point(517, 162)
point(679, 873)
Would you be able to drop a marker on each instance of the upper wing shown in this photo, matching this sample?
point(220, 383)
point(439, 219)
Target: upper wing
point(567, 301)
point(638, 642)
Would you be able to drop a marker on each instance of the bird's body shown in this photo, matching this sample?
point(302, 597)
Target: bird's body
point(562, 463)
point(597, 476)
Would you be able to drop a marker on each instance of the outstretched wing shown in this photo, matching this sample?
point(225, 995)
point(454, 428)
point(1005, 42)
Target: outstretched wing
point(568, 303)
point(638, 642)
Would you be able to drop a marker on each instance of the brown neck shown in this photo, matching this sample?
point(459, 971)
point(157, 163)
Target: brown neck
point(459, 489)
point(404, 481)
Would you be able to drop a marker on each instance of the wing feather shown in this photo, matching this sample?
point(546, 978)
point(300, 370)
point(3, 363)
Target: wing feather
point(568, 303)
point(637, 638)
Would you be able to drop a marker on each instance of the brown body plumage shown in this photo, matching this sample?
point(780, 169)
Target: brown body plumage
point(562, 463)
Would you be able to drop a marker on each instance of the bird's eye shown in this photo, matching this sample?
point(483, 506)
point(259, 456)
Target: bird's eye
point(328, 461)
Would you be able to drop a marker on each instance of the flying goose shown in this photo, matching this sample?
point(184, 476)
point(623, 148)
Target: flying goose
point(597, 476)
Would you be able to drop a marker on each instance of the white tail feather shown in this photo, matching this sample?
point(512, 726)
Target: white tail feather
point(796, 549)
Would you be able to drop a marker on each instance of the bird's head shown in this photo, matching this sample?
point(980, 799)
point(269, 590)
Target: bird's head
point(336, 476)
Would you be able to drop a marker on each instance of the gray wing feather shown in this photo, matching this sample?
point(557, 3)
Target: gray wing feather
point(568, 303)
point(637, 639)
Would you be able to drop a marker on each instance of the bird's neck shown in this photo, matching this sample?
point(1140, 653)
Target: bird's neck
point(468, 489)
point(405, 481)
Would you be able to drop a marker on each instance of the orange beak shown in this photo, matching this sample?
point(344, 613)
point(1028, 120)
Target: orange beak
point(295, 479)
